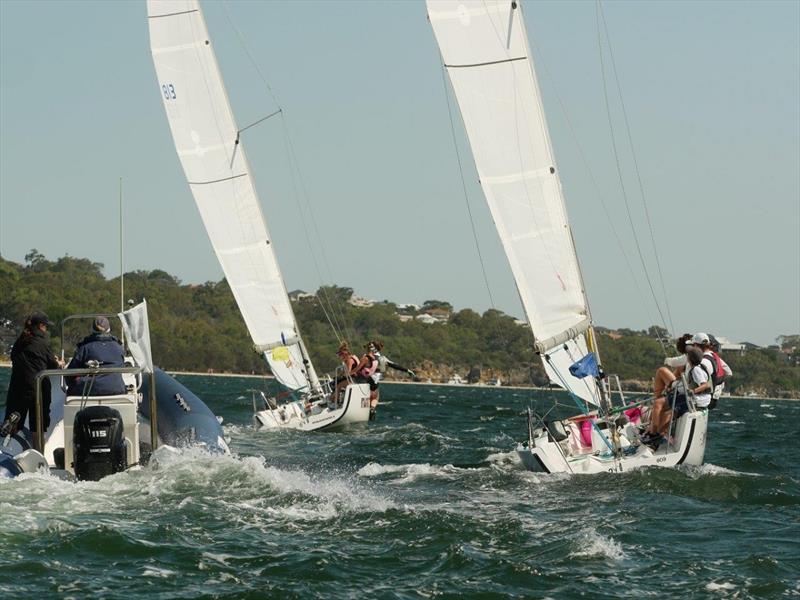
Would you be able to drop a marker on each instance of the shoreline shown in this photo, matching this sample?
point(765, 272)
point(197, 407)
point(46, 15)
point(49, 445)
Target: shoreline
point(452, 385)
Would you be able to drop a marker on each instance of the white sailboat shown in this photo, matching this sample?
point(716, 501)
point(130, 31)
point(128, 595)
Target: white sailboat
point(207, 142)
point(485, 51)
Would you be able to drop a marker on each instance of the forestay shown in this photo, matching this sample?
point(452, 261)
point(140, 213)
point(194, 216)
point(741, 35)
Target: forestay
point(218, 174)
point(485, 51)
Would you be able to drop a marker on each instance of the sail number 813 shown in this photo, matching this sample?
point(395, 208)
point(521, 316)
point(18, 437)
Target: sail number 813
point(169, 91)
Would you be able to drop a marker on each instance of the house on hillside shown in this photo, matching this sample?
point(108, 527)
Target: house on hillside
point(441, 315)
point(300, 295)
point(427, 319)
point(725, 345)
point(360, 302)
point(407, 309)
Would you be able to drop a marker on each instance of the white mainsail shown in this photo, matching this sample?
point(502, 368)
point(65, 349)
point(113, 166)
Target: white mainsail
point(485, 51)
point(206, 139)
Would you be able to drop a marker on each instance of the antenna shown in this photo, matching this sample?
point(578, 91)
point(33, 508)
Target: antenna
point(121, 247)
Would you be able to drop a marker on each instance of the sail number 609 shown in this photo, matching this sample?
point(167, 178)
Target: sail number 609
point(169, 91)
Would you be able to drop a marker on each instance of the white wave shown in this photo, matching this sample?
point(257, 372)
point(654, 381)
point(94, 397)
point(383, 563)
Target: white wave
point(766, 406)
point(504, 457)
point(731, 422)
point(232, 430)
point(710, 469)
point(218, 557)
point(186, 479)
point(596, 544)
point(725, 586)
point(769, 415)
point(152, 571)
point(410, 471)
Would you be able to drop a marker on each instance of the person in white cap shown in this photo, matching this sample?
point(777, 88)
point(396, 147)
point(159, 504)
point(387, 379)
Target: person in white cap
point(716, 368)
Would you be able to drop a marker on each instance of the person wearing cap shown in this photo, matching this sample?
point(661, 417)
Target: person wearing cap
point(107, 351)
point(716, 368)
point(30, 354)
point(665, 412)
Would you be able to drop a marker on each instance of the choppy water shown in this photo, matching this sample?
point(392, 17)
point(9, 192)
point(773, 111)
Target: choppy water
point(429, 501)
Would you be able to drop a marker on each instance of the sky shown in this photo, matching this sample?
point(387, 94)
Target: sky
point(711, 90)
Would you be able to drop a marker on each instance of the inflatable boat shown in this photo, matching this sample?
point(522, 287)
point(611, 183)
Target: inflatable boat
point(91, 435)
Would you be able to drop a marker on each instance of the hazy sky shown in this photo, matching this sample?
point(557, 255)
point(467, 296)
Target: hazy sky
point(712, 91)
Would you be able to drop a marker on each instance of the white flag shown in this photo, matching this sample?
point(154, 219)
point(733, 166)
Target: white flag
point(137, 333)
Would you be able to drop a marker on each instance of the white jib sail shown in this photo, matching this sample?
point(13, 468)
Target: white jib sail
point(485, 51)
point(205, 135)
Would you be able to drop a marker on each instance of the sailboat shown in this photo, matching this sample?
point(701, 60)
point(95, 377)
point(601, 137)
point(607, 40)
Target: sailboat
point(485, 51)
point(208, 144)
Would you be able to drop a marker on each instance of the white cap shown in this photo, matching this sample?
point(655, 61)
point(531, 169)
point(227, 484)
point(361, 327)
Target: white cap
point(700, 338)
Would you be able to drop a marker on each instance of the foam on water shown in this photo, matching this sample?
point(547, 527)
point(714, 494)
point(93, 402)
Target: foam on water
point(410, 472)
point(591, 543)
point(725, 586)
point(707, 469)
point(152, 571)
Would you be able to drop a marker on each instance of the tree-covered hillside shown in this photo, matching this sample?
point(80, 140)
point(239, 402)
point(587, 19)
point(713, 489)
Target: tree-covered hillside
point(198, 328)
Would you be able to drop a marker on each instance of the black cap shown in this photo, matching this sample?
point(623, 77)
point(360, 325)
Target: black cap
point(39, 318)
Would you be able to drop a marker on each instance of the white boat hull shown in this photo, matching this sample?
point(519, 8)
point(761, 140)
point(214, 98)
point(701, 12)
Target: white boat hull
point(688, 448)
point(293, 415)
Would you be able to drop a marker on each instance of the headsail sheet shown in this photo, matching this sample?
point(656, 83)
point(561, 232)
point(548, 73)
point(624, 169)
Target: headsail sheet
point(485, 51)
point(216, 168)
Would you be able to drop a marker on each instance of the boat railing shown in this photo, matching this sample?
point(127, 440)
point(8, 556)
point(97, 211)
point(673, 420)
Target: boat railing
point(38, 442)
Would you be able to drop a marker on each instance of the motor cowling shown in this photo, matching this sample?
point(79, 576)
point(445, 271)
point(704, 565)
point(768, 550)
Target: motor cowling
point(98, 443)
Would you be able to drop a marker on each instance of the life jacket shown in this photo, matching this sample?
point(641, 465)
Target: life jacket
point(382, 360)
point(717, 374)
point(369, 369)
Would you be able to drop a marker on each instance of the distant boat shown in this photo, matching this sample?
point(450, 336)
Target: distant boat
point(208, 144)
point(485, 51)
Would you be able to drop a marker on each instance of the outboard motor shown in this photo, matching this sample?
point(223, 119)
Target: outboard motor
point(99, 444)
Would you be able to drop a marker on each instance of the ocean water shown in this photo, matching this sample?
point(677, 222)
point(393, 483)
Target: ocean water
point(428, 501)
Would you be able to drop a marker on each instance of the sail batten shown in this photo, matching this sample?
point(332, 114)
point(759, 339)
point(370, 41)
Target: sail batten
point(486, 55)
point(215, 165)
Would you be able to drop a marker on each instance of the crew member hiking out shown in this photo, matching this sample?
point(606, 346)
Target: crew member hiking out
point(383, 364)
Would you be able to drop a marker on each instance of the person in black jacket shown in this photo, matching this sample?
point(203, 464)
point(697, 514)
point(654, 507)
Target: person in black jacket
point(107, 351)
point(30, 354)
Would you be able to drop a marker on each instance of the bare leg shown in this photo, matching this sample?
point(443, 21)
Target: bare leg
point(662, 380)
point(656, 414)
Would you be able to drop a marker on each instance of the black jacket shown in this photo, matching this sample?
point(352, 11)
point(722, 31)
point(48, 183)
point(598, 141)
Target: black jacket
point(30, 354)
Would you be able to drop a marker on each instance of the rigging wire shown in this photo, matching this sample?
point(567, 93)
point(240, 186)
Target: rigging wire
point(335, 326)
point(636, 168)
point(464, 184)
point(575, 138)
point(622, 181)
